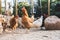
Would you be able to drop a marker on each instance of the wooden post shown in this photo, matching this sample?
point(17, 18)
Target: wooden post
point(5, 5)
point(49, 7)
point(41, 6)
point(0, 6)
point(16, 7)
point(31, 3)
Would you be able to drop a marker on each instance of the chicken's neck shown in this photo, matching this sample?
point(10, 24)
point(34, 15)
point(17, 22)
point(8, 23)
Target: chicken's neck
point(25, 14)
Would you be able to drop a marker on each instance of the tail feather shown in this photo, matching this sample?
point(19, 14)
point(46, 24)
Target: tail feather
point(32, 18)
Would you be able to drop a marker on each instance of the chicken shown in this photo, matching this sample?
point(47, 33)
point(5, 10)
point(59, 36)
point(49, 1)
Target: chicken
point(7, 18)
point(38, 23)
point(1, 27)
point(20, 21)
point(26, 20)
point(14, 22)
point(2, 23)
point(45, 15)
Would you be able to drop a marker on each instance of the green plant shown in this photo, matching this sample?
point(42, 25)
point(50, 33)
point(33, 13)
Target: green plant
point(20, 5)
point(44, 6)
point(2, 10)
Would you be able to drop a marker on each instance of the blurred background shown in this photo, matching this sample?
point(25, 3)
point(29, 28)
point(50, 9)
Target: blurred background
point(36, 7)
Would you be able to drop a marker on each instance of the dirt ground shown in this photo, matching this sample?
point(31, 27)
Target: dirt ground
point(34, 34)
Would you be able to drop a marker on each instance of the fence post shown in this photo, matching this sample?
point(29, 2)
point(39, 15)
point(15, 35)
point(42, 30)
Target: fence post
point(16, 7)
point(0, 6)
point(49, 7)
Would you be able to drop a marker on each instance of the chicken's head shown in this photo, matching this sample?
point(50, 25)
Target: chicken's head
point(24, 11)
point(16, 16)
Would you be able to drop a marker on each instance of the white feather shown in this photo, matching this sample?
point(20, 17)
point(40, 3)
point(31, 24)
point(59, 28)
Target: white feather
point(38, 22)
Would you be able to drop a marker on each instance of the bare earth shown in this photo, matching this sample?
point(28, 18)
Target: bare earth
point(34, 34)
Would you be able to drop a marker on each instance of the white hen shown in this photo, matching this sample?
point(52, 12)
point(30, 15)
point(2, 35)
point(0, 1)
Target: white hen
point(38, 23)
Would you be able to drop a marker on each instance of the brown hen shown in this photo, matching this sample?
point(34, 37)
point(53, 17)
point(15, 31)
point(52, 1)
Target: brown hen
point(26, 20)
point(14, 22)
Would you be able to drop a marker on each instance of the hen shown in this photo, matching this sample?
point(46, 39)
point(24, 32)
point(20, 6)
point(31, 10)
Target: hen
point(14, 22)
point(26, 20)
point(38, 22)
point(2, 23)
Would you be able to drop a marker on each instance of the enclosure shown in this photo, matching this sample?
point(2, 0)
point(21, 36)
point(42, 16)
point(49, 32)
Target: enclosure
point(35, 10)
point(45, 6)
